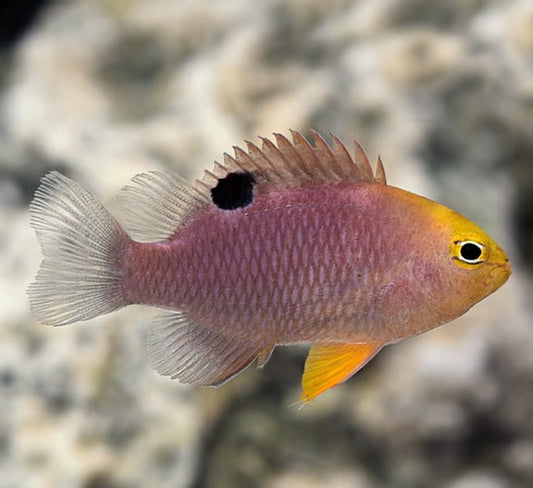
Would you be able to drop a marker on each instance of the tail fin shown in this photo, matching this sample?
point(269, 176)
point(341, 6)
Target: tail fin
point(80, 275)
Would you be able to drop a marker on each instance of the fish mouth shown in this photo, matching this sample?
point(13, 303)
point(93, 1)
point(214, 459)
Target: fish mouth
point(500, 271)
point(501, 267)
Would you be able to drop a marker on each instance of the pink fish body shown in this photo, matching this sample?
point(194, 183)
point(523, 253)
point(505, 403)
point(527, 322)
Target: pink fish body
point(287, 244)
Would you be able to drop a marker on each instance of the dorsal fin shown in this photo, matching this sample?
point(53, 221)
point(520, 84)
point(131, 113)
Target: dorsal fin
point(158, 202)
point(298, 162)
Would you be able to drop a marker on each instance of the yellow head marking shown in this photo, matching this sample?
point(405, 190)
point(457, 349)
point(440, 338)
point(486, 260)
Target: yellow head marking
point(469, 247)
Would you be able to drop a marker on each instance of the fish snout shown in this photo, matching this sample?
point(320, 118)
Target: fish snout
point(500, 271)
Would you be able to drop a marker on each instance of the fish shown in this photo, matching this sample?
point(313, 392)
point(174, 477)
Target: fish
point(286, 242)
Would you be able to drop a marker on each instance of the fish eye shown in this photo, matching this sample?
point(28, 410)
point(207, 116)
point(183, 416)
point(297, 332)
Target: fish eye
point(469, 252)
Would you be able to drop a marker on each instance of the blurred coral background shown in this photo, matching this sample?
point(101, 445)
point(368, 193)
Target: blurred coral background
point(104, 89)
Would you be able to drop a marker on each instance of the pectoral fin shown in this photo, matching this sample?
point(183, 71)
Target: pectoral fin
point(328, 365)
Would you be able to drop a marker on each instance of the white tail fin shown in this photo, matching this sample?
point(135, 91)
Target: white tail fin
point(80, 275)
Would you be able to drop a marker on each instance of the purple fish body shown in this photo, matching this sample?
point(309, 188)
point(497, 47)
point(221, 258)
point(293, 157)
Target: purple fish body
point(287, 244)
point(297, 266)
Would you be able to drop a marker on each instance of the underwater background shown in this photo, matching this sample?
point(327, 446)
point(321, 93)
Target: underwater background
point(104, 89)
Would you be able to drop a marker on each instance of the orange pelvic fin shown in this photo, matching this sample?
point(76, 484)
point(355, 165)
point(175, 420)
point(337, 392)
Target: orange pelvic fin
point(328, 365)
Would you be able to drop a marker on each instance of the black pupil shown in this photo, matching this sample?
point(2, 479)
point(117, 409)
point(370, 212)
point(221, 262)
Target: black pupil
point(236, 190)
point(470, 251)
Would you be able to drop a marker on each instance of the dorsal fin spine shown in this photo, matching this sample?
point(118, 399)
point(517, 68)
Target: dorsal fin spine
point(341, 154)
point(204, 184)
point(211, 175)
point(242, 156)
point(324, 151)
point(362, 162)
point(380, 176)
point(220, 169)
point(269, 148)
point(327, 171)
point(286, 147)
point(301, 144)
point(231, 161)
point(244, 159)
point(257, 154)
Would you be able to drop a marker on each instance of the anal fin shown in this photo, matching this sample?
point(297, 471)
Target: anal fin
point(328, 365)
point(192, 353)
point(264, 355)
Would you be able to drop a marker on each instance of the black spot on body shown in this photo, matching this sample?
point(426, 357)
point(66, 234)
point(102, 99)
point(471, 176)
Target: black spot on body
point(236, 190)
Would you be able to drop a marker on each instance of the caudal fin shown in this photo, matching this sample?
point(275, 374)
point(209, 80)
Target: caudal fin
point(80, 275)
